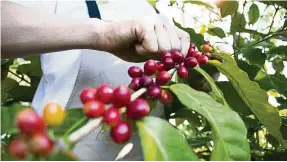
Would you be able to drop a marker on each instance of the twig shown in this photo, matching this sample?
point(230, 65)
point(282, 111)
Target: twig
point(21, 77)
point(276, 10)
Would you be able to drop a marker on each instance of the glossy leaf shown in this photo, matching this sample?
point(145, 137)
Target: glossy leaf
point(227, 7)
point(216, 32)
point(238, 23)
point(251, 93)
point(229, 135)
point(255, 56)
point(215, 89)
point(161, 141)
point(253, 13)
point(251, 70)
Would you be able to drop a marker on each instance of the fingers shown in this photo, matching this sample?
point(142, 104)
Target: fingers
point(184, 39)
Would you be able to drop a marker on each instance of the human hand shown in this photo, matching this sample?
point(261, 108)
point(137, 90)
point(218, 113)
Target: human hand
point(141, 39)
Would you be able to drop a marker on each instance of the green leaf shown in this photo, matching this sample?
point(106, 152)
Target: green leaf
point(200, 3)
point(162, 142)
point(254, 56)
point(251, 70)
point(5, 64)
point(216, 32)
point(152, 3)
point(253, 13)
point(7, 85)
point(238, 23)
point(8, 115)
point(229, 132)
point(280, 50)
point(74, 115)
point(23, 93)
point(278, 65)
point(198, 39)
point(233, 99)
point(32, 69)
point(227, 7)
point(251, 93)
point(215, 89)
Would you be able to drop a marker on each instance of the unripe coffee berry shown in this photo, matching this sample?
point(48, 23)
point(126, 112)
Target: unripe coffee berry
point(88, 94)
point(121, 133)
point(19, 148)
point(163, 78)
point(165, 97)
point(166, 54)
point(94, 109)
point(138, 109)
point(190, 62)
point(168, 63)
point(207, 54)
point(112, 117)
point(202, 60)
point(147, 81)
point(122, 96)
point(206, 48)
point(182, 71)
point(136, 83)
point(150, 67)
point(154, 92)
point(160, 66)
point(177, 57)
point(29, 122)
point(105, 93)
point(41, 144)
point(54, 114)
point(135, 71)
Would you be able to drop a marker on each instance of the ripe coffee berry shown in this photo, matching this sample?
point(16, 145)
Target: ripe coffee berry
point(165, 97)
point(177, 57)
point(192, 45)
point(154, 92)
point(160, 66)
point(94, 109)
point(168, 63)
point(190, 62)
point(182, 71)
point(202, 60)
point(41, 144)
point(163, 78)
point(105, 93)
point(112, 117)
point(88, 94)
point(196, 54)
point(190, 51)
point(147, 81)
point(29, 122)
point(136, 84)
point(166, 54)
point(122, 96)
point(121, 133)
point(54, 114)
point(150, 67)
point(135, 71)
point(138, 109)
point(19, 148)
point(206, 48)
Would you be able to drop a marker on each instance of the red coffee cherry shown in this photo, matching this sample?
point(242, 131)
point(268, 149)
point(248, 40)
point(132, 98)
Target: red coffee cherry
point(177, 57)
point(166, 54)
point(94, 109)
point(112, 117)
point(105, 93)
point(154, 92)
point(122, 132)
point(196, 54)
point(88, 94)
point(163, 78)
point(207, 54)
point(168, 63)
point(165, 97)
point(135, 71)
point(147, 81)
point(138, 109)
point(150, 67)
point(41, 144)
point(206, 48)
point(190, 62)
point(19, 148)
point(122, 96)
point(136, 84)
point(160, 66)
point(182, 71)
point(192, 45)
point(190, 51)
point(202, 60)
point(29, 122)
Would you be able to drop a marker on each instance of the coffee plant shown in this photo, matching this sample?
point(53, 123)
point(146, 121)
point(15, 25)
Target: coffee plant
point(205, 118)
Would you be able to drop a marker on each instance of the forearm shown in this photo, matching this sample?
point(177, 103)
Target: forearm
point(28, 32)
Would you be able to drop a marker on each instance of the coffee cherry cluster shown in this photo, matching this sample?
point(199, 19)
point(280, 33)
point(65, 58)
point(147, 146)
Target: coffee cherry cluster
point(33, 138)
point(106, 102)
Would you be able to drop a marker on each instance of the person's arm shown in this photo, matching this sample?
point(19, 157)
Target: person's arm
point(27, 31)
